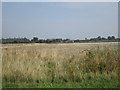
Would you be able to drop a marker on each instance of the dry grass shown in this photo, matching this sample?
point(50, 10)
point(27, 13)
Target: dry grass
point(60, 62)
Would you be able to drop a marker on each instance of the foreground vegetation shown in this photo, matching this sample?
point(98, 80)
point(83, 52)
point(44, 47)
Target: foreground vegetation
point(83, 84)
point(61, 65)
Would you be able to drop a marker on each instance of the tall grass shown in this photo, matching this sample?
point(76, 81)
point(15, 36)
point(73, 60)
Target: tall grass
point(60, 63)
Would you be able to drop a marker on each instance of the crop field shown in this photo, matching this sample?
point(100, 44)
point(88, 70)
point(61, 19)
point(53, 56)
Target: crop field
point(75, 65)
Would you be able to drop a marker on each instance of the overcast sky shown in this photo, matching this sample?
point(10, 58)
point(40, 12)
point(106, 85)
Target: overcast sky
point(59, 20)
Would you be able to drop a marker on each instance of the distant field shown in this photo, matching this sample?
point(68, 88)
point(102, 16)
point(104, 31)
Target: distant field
point(60, 65)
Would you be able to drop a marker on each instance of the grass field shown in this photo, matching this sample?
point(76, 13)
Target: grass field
point(82, 65)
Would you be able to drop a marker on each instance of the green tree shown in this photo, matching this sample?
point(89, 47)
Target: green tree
point(35, 39)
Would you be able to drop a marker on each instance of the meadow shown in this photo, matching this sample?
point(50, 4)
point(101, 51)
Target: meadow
point(73, 65)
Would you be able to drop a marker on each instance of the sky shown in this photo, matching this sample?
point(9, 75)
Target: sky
point(73, 20)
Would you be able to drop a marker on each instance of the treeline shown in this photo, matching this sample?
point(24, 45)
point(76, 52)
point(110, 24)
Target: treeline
point(58, 40)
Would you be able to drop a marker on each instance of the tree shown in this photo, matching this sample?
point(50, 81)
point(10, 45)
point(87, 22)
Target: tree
point(86, 39)
point(99, 38)
point(35, 39)
point(113, 37)
point(103, 38)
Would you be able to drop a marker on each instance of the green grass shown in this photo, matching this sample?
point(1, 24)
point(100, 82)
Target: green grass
point(83, 84)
